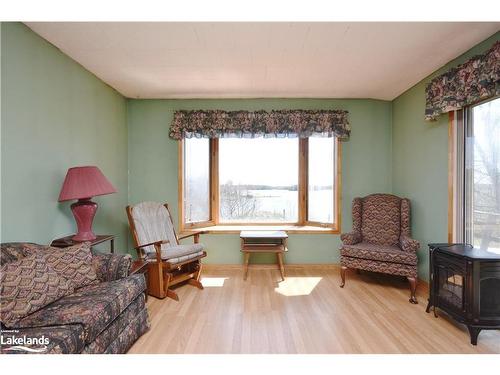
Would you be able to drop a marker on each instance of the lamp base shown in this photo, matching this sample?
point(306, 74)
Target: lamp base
point(84, 211)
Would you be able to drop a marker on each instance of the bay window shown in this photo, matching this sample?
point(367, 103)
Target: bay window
point(288, 182)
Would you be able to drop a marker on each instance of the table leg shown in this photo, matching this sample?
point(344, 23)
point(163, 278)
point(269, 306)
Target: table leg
point(280, 263)
point(112, 246)
point(247, 258)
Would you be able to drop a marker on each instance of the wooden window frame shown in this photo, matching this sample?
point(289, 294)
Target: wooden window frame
point(303, 225)
point(457, 128)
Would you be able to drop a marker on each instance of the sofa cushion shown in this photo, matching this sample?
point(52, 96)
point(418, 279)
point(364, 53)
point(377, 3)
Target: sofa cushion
point(379, 266)
point(12, 251)
point(93, 306)
point(110, 267)
point(179, 253)
point(28, 285)
point(381, 216)
point(365, 250)
point(67, 339)
point(73, 263)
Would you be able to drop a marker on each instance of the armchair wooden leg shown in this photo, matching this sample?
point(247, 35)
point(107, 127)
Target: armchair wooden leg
point(342, 275)
point(413, 289)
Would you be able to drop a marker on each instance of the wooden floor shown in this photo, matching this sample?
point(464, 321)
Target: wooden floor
point(307, 313)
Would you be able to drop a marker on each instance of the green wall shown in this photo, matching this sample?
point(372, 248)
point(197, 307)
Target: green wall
point(55, 115)
point(366, 164)
point(420, 160)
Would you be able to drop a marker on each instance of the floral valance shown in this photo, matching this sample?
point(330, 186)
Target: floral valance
point(285, 123)
point(469, 83)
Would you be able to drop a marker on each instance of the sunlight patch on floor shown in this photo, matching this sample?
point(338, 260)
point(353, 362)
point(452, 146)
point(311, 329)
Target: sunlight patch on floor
point(213, 281)
point(297, 286)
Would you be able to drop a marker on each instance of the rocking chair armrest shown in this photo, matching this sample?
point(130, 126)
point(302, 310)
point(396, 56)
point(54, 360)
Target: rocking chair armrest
point(196, 235)
point(156, 243)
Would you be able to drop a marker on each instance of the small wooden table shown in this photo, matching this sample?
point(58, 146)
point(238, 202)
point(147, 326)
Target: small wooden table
point(264, 241)
point(68, 241)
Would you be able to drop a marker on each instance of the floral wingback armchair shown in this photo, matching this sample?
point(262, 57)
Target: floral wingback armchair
point(380, 240)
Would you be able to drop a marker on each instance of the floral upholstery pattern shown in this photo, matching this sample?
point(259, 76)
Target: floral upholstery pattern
point(365, 250)
point(380, 240)
point(378, 266)
point(12, 251)
point(129, 335)
point(74, 263)
point(28, 285)
point(109, 267)
point(381, 219)
point(350, 238)
point(408, 244)
point(218, 123)
point(136, 309)
point(475, 80)
point(93, 306)
point(106, 317)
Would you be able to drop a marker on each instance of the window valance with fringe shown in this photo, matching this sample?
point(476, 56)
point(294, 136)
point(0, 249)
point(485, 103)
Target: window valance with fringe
point(279, 123)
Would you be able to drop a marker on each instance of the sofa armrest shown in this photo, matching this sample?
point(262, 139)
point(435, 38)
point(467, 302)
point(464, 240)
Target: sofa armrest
point(408, 244)
point(350, 238)
point(109, 267)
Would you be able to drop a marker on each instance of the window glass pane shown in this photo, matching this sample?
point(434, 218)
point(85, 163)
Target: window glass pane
point(258, 180)
point(321, 171)
point(483, 155)
point(196, 180)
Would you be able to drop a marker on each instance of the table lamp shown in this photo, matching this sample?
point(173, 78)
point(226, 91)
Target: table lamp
point(83, 183)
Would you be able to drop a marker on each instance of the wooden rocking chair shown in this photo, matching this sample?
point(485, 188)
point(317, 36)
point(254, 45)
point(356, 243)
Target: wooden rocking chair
point(169, 263)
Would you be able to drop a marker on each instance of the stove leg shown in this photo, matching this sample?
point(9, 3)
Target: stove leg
point(428, 308)
point(474, 333)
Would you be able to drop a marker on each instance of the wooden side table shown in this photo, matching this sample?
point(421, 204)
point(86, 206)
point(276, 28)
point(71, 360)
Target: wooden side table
point(263, 241)
point(140, 266)
point(68, 241)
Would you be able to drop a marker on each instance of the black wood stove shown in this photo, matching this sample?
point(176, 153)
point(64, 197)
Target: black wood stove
point(465, 283)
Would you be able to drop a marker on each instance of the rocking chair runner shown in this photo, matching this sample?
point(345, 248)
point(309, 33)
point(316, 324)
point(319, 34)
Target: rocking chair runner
point(156, 242)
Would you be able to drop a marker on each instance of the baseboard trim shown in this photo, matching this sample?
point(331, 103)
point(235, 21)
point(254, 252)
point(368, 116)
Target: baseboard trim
point(266, 266)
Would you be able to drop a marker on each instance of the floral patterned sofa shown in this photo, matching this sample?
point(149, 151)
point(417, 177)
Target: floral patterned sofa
point(105, 317)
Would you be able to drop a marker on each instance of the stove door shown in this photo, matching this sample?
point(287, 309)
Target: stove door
point(451, 284)
point(487, 294)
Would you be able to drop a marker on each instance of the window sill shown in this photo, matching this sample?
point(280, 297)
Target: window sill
point(225, 229)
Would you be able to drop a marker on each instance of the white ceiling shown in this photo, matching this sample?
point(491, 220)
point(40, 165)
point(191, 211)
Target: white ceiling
point(244, 60)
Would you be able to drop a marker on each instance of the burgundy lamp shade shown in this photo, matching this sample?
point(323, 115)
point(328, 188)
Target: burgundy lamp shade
point(83, 183)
